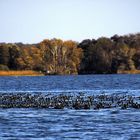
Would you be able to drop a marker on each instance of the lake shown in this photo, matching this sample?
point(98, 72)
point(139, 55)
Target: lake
point(70, 123)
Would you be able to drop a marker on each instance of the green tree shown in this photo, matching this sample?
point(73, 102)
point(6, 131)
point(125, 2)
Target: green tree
point(4, 54)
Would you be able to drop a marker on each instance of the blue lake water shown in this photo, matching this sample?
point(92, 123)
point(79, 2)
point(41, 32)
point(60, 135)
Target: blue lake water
point(49, 124)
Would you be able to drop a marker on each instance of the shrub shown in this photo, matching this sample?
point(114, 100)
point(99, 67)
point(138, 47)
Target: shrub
point(4, 67)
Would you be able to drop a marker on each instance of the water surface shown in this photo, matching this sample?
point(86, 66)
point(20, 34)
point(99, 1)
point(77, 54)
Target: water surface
point(49, 124)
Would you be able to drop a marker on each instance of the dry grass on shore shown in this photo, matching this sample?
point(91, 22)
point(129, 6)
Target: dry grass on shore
point(20, 73)
point(128, 72)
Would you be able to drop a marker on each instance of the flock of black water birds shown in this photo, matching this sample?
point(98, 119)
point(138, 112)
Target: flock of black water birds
point(69, 101)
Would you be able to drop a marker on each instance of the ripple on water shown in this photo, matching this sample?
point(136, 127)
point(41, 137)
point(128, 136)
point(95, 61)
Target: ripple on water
point(72, 124)
point(68, 123)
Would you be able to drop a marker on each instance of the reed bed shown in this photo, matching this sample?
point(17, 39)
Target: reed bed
point(128, 72)
point(20, 73)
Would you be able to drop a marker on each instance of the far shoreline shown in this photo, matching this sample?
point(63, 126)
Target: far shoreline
point(38, 73)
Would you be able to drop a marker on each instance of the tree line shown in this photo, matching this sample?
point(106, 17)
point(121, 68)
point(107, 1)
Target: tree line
point(91, 56)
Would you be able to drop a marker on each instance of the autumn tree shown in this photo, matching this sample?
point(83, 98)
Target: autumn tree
point(61, 57)
point(122, 56)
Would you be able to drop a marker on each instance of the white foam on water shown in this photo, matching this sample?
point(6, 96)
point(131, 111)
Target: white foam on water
point(106, 91)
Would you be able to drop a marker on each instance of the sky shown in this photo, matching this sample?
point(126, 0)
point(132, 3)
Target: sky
point(31, 21)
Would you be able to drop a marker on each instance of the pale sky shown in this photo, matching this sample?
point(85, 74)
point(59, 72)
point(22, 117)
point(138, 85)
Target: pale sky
point(31, 21)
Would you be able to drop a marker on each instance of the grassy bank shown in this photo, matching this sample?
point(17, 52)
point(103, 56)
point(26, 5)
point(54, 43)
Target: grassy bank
point(36, 73)
point(128, 72)
point(21, 73)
